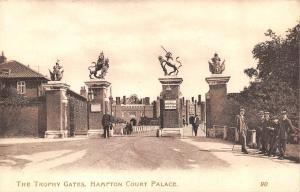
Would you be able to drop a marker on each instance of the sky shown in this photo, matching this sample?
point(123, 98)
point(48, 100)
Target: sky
point(131, 33)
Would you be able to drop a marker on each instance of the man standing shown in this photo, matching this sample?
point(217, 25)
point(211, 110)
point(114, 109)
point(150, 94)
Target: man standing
point(196, 124)
point(285, 126)
point(242, 129)
point(267, 133)
point(259, 130)
point(106, 124)
point(274, 139)
point(191, 121)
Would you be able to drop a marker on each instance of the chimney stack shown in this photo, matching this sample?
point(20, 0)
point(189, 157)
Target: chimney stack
point(124, 100)
point(2, 58)
point(199, 99)
point(118, 100)
point(83, 92)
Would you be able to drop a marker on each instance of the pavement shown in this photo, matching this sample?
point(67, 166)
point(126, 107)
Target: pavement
point(5, 141)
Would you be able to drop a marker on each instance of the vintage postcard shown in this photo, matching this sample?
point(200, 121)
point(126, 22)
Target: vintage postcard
point(149, 96)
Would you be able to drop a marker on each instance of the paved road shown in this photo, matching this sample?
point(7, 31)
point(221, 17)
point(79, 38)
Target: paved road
point(140, 151)
point(197, 162)
point(119, 153)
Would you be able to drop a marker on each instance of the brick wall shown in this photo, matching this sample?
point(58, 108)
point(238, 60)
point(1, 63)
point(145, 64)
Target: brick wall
point(171, 118)
point(77, 123)
point(95, 118)
point(22, 120)
point(53, 110)
point(126, 112)
point(217, 102)
point(43, 113)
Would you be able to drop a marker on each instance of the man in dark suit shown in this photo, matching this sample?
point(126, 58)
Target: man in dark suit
point(267, 133)
point(106, 122)
point(274, 140)
point(259, 130)
point(196, 124)
point(285, 126)
point(191, 121)
point(242, 129)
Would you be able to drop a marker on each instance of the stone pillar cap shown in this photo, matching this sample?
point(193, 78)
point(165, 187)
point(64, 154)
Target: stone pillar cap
point(98, 83)
point(171, 80)
point(51, 85)
point(217, 79)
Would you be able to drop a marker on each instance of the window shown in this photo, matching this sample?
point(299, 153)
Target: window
point(5, 72)
point(21, 87)
point(132, 114)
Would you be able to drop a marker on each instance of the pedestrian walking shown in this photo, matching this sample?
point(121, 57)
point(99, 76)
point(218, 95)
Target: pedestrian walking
point(196, 124)
point(126, 129)
point(285, 126)
point(242, 129)
point(130, 128)
point(106, 123)
point(191, 120)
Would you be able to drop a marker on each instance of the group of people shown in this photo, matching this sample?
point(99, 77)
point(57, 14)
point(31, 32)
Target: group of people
point(271, 134)
point(128, 129)
point(107, 124)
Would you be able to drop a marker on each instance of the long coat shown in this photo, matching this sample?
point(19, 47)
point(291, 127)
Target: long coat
point(241, 124)
point(284, 128)
point(267, 131)
point(106, 121)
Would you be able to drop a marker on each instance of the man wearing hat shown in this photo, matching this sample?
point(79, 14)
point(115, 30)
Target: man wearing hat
point(196, 124)
point(274, 139)
point(259, 130)
point(242, 129)
point(266, 134)
point(106, 122)
point(285, 125)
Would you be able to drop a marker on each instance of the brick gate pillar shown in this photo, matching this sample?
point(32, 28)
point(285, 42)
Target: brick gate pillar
point(170, 108)
point(97, 106)
point(56, 104)
point(216, 99)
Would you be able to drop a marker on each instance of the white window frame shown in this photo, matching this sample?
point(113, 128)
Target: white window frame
point(21, 87)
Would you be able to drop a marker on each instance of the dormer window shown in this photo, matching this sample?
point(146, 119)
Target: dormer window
point(5, 72)
point(21, 87)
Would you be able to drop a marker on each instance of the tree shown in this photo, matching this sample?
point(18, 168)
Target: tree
point(276, 75)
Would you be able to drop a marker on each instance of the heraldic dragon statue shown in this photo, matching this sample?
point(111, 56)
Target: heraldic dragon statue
point(101, 66)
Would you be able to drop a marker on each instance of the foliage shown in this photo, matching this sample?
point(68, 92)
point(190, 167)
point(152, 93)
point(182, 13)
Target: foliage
point(9, 95)
point(276, 75)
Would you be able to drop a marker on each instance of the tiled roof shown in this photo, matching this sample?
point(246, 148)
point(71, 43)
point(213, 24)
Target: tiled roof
point(18, 70)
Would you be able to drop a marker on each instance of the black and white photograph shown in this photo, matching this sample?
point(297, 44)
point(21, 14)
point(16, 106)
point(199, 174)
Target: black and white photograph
point(149, 96)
